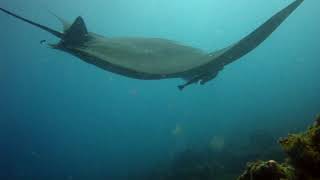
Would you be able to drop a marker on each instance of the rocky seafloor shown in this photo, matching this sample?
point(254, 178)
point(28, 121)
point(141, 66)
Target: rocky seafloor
point(295, 157)
point(302, 162)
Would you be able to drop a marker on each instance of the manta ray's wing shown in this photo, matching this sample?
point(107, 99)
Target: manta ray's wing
point(74, 33)
point(255, 38)
point(45, 28)
point(230, 54)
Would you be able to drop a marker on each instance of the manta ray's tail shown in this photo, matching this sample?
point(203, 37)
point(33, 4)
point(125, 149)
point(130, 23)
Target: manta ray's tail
point(73, 34)
point(54, 32)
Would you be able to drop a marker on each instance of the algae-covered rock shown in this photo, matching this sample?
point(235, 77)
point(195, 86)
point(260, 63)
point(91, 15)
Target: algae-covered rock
point(267, 170)
point(303, 161)
point(303, 150)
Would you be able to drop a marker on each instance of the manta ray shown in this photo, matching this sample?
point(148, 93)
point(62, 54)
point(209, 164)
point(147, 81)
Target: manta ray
point(155, 58)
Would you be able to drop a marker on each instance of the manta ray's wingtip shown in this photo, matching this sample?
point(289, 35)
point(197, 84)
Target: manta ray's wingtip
point(52, 31)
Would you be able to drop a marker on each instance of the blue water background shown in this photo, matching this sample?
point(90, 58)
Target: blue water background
point(61, 118)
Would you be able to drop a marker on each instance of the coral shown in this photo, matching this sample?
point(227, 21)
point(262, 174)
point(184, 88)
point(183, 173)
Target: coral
point(303, 150)
point(267, 170)
point(303, 163)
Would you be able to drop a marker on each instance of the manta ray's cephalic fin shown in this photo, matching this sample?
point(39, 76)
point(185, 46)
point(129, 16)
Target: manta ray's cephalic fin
point(66, 25)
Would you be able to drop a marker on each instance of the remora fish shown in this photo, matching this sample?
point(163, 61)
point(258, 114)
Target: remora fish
point(155, 58)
